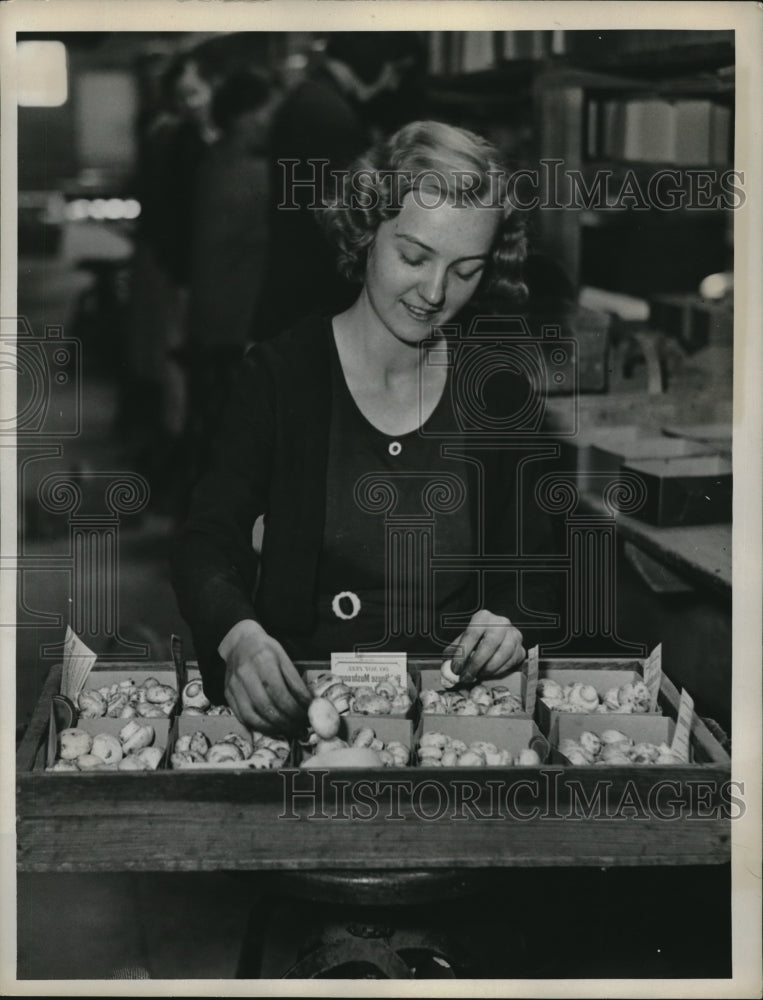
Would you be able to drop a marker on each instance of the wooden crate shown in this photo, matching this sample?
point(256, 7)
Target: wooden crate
point(386, 818)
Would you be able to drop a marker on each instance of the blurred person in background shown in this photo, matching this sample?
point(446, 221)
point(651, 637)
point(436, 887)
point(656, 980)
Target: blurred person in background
point(327, 116)
point(228, 250)
point(172, 148)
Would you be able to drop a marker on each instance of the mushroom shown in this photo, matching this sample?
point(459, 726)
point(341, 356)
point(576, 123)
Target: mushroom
point(243, 744)
point(371, 704)
point(135, 735)
point(63, 765)
point(73, 743)
point(107, 747)
point(576, 756)
point(91, 704)
point(432, 702)
point(324, 718)
point(636, 694)
point(220, 752)
point(150, 756)
point(193, 696)
point(527, 758)
point(448, 678)
point(590, 742)
point(199, 744)
point(583, 697)
point(160, 694)
point(89, 762)
point(363, 737)
point(132, 762)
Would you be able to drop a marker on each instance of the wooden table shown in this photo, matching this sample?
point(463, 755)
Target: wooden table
point(384, 819)
point(701, 553)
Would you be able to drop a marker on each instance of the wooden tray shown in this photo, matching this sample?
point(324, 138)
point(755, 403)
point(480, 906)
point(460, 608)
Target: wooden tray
point(404, 819)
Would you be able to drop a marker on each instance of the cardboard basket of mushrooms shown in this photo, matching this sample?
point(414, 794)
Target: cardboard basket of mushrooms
point(119, 721)
point(629, 740)
point(604, 687)
point(457, 741)
point(443, 693)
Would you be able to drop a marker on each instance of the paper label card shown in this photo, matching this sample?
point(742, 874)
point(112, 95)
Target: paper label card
point(532, 680)
point(369, 669)
point(653, 675)
point(78, 662)
point(680, 744)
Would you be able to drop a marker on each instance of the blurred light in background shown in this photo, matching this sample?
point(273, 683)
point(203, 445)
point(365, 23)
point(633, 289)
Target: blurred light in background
point(109, 209)
point(41, 74)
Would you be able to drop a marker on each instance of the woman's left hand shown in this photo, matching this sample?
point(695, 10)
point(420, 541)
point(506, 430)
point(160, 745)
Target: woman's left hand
point(489, 646)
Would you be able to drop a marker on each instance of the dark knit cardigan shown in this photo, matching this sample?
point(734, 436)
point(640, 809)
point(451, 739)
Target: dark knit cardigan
point(271, 459)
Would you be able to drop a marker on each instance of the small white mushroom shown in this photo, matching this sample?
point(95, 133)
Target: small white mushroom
point(135, 735)
point(471, 759)
point(324, 718)
point(73, 743)
point(448, 678)
point(116, 704)
point(386, 689)
point(199, 743)
point(326, 746)
point(241, 742)
point(63, 765)
point(636, 694)
point(576, 756)
point(400, 704)
point(89, 762)
point(220, 752)
point(107, 747)
point(150, 756)
point(590, 742)
point(193, 696)
point(370, 704)
point(149, 711)
point(527, 758)
point(159, 694)
point(364, 737)
point(132, 762)
point(91, 704)
point(613, 736)
point(583, 697)
point(469, 708)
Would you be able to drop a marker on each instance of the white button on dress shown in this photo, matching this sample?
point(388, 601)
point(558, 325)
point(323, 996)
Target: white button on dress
point(395, 448)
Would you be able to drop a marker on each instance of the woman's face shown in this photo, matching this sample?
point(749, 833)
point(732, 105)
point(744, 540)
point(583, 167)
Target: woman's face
point(426, 263)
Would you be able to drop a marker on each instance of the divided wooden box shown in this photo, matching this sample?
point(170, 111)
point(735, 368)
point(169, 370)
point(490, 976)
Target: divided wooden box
point(404, 818)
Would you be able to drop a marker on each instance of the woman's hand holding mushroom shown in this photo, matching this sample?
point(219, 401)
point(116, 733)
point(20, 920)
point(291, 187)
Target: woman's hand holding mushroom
point(262, 685)
point(488, 647)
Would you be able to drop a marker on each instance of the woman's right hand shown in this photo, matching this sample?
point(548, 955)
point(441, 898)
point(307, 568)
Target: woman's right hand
point(262, 685)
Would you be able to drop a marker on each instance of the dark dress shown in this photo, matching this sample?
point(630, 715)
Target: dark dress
point(273, 458)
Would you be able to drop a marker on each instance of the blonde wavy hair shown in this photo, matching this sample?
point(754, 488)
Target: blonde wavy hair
point(468, 170)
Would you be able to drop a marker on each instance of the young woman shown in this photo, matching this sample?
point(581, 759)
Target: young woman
point(348, 434)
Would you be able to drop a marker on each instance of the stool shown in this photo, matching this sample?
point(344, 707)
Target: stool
point(358, 925)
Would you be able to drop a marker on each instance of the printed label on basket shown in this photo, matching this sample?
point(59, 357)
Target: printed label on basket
point(532, 680)
point(78, 662)
point(362, 669)
point(680, 744)
point(653, 675)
